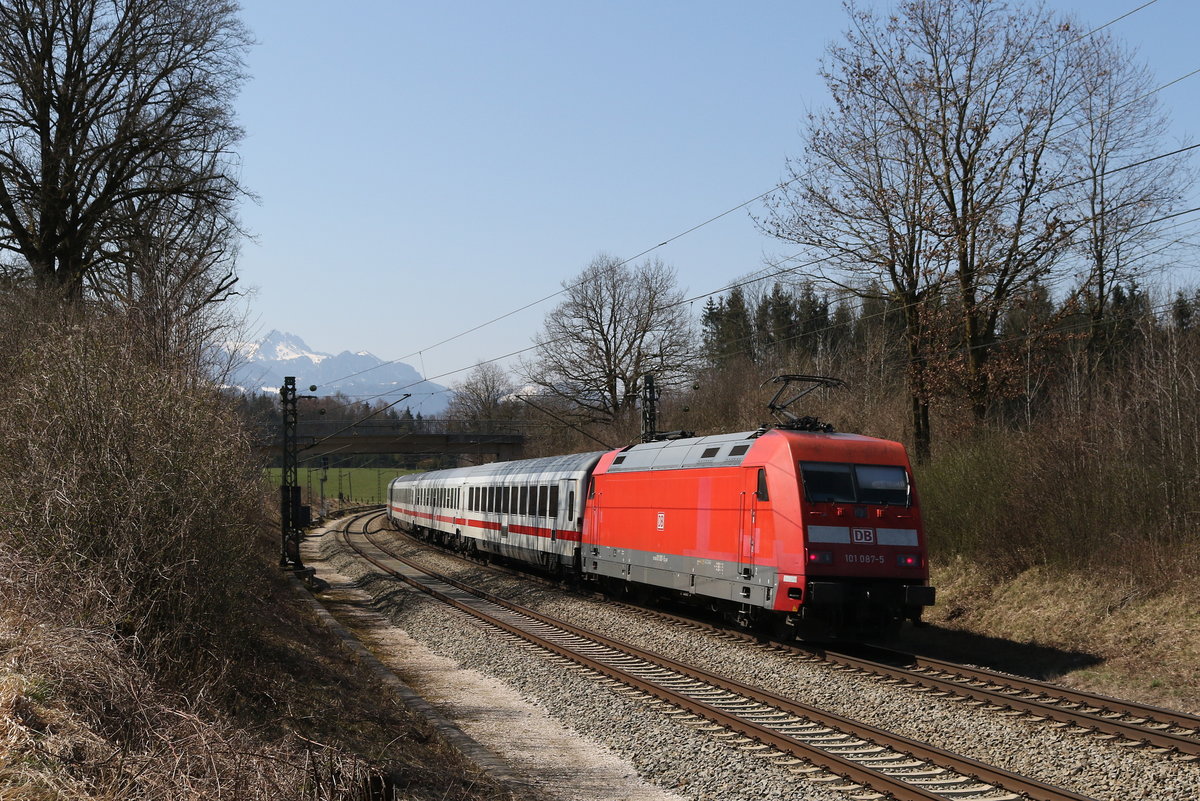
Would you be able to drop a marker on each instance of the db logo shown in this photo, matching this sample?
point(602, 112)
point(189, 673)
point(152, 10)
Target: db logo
point(862, 536)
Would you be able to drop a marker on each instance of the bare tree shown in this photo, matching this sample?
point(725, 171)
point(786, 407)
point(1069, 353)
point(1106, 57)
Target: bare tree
point(116, 129)
point(618, 323)
point(863, 197)
point(483, 397)
point(948, 163)
point(1125, 191)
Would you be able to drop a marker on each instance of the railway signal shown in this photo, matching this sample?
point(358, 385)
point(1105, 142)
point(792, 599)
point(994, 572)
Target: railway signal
point(291, 521)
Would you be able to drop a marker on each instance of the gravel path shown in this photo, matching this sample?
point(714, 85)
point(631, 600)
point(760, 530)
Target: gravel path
point(696, 766)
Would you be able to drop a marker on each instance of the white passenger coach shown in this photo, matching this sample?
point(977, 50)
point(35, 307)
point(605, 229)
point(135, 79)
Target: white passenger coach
point(530, 510)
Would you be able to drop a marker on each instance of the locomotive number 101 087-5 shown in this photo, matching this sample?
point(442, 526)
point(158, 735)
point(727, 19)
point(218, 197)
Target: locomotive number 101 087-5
point(866, 558)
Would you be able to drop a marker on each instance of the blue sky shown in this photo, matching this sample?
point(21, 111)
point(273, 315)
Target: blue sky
point(426, 166)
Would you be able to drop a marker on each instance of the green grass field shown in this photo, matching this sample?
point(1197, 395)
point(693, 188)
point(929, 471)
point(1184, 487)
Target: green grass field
point(357, 485)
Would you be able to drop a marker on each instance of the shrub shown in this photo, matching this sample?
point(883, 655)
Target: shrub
point(125, 482)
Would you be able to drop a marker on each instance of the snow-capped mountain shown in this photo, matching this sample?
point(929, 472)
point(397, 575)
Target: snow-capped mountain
point(261, 367)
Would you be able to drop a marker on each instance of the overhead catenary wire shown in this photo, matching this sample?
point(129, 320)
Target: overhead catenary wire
point(725, 213)
point(894, 308)
point(719, 216)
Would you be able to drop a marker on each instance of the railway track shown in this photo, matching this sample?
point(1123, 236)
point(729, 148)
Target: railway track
point(1130, 723)
point(1168, 732)
point(1165, 731)
point(870, 763)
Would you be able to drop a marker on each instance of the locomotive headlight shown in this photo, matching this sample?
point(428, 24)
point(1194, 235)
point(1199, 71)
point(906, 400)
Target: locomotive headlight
point(820, 557)
point(908, 560)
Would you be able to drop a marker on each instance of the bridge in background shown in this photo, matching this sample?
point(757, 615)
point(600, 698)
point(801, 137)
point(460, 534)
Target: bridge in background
point(327, 439)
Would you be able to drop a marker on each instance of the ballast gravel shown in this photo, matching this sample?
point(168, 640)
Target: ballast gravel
point(697, 766)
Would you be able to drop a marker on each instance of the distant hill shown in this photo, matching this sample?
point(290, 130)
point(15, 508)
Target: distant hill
point(262, 366)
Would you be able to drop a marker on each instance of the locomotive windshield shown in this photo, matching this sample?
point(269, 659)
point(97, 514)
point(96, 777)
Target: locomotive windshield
point(878, 485)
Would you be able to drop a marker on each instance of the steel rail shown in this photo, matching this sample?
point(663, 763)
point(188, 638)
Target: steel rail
point(835, 763)
point(1101, 715)
point(1042, 707)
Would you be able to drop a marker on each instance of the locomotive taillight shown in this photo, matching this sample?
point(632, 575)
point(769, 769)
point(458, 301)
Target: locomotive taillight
point(908, 560)
point(820, 557)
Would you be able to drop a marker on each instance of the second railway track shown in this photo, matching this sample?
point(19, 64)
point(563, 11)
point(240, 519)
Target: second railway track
point(1168, 732)
point(873, 763)
point(695, 757)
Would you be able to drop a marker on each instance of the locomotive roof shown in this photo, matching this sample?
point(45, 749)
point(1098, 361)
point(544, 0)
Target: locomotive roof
point(717, 450)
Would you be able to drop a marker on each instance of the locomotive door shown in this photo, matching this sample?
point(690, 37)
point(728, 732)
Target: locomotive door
point(747, 518)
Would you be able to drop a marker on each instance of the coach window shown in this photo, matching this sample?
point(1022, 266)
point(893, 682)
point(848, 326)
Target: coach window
point(514, 500)
point(554, 501)
point(543, 498)
point(531, 504)
point(523, 505)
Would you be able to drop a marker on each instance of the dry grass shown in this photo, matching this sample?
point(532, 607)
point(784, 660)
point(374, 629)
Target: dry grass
point(294, 718)
point(149, 649)
point(1078, 629)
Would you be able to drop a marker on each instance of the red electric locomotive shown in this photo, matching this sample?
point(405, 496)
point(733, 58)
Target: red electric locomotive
point(795, 527)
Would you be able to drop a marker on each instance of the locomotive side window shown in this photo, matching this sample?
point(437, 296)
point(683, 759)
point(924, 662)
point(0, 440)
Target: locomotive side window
point(825, 482)
point(881, 484)
point(762, 485)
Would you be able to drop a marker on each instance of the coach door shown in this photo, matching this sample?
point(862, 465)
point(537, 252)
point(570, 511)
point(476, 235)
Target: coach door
point(564, 519)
